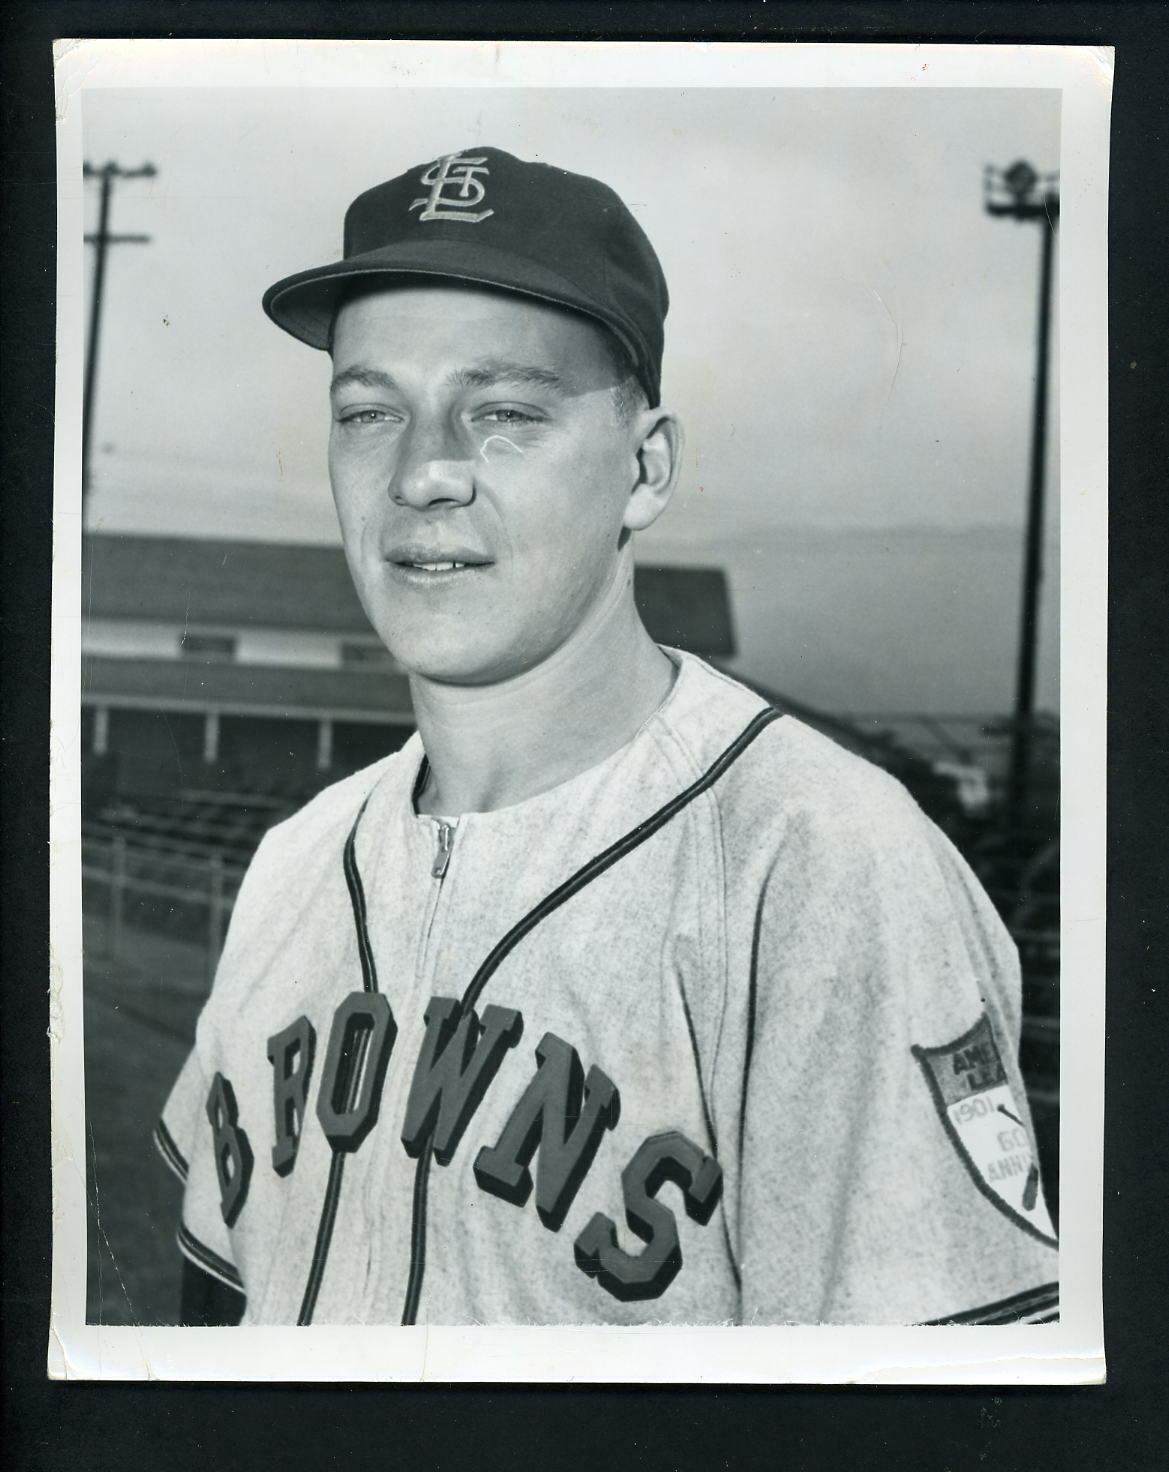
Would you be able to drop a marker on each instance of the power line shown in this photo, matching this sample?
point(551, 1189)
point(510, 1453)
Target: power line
point(102, 240)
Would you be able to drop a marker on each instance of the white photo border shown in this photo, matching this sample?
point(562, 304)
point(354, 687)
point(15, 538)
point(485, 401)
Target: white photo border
point(1067, 1352)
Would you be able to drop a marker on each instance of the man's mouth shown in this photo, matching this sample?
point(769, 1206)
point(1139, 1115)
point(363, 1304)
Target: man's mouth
point(427, 560)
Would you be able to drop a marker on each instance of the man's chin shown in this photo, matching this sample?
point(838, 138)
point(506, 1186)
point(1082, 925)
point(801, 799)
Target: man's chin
point(455, 668)
point(470, 651)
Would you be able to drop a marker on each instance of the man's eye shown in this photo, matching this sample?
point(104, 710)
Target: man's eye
point(508, 416)
point(359, 417)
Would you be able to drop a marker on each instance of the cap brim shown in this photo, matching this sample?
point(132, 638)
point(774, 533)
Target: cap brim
point(305, 304)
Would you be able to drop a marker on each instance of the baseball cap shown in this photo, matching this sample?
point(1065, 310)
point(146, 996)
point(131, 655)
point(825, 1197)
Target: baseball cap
point(487, 218)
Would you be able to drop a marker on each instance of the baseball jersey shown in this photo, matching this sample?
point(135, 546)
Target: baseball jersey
point(721, 1030)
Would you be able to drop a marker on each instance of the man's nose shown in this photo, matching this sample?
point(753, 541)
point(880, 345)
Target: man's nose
point(432, 466)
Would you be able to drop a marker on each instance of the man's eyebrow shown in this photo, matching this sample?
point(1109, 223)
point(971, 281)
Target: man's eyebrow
point(498, 370)
point(482, 375)
point(362, 377)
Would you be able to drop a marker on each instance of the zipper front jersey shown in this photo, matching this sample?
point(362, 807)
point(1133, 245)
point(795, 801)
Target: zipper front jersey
point(721, 1030)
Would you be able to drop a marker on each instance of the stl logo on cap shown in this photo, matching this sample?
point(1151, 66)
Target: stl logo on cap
point(461, 175)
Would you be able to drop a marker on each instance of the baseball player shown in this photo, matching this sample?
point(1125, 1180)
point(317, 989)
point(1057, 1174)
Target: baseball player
point(615, 996)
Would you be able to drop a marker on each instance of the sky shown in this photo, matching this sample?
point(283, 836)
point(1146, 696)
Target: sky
point(850, 344)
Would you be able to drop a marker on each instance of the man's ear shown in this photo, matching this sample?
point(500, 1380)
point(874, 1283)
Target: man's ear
point(658, 460)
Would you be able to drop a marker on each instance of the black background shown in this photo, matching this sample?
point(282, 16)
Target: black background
point(144, 1426)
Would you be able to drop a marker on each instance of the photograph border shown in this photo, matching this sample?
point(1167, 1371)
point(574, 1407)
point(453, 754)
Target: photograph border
point(1067, 1352)
point(54, 1424)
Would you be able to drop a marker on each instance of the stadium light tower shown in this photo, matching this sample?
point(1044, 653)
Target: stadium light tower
point(101, 240)
point(1020, 193)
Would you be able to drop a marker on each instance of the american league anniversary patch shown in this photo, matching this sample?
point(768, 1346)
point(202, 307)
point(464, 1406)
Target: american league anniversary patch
point(978, 1110)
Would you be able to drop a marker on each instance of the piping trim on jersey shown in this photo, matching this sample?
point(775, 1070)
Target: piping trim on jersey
point(1018, 1308)
point(706, 1115)
point(203, 1257)
point(324, 1239)
point(712, 1134)
point(357, 900)
point(165, 1144)
point(749, 1045)
point(610, 856)
point(332, 1198)
point(551, 902)
point(418, 1233)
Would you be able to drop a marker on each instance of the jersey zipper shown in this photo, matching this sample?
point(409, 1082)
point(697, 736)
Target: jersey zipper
point(443, 836)
point(444, 843)
point(442, 857)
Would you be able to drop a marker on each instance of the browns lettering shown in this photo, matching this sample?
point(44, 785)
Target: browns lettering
point(558, 1122)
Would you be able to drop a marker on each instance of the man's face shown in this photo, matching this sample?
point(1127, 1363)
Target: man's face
point(481, 472)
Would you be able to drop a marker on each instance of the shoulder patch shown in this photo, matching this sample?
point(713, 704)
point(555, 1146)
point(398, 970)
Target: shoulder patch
point(973, 1097)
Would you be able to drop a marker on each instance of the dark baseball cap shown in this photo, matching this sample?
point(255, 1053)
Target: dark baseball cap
point(486, 218)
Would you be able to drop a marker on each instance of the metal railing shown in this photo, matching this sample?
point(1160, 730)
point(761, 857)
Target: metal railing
point(148, 888)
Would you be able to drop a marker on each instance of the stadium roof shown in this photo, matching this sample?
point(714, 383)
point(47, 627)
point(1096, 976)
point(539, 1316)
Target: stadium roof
point(197, 581)
point(252, 689)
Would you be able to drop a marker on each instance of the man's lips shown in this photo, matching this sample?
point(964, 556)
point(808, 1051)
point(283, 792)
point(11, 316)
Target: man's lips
point(436, 560)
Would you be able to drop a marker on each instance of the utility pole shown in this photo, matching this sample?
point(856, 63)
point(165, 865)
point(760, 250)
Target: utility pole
point(102, 240)
point(1022, 194)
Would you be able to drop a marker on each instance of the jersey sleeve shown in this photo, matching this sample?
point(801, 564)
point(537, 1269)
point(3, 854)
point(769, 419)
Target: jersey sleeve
point(197, 1134)
point(887, 1166)
point(185, 1138)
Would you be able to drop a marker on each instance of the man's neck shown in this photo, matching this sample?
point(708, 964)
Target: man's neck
point(492, 746)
